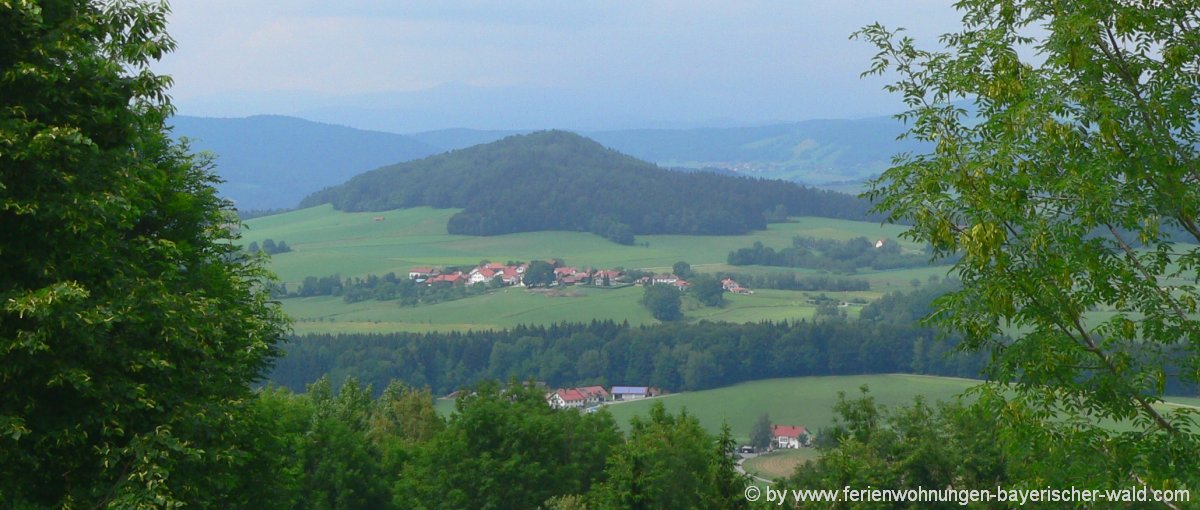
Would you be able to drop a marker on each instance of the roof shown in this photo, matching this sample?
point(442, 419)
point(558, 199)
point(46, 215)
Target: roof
point(570, 395)
point(593, 391)
point(630, 389)
point(788, 431)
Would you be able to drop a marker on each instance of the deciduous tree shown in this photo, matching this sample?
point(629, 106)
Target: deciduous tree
point(1064, 171)
point(760, 432)
point(663, 301)
point(130, 326)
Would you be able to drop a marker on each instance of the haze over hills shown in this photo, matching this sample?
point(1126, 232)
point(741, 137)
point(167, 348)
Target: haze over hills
point(556, 180)
point(813, 151)
point(272, 162)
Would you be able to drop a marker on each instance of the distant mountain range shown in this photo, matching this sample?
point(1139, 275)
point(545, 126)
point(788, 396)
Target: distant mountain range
point(270, 162)
point(557, 180)
point(274, 161)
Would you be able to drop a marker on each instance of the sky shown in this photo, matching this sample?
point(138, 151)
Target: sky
point(420, 65)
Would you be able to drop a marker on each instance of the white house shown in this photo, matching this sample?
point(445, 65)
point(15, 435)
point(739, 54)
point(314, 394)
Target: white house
point(566, 399)
point(789, 436)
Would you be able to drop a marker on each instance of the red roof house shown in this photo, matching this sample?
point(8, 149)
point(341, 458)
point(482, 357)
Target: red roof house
point(789, 436)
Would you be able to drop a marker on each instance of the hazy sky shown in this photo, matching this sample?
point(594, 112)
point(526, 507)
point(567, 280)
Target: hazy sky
point(607, 63)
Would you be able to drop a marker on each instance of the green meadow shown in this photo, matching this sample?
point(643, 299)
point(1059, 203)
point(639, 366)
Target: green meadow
point(325, 242)
point(779, 463)
point(809, 401)
point(805, 401)
point(505, 308)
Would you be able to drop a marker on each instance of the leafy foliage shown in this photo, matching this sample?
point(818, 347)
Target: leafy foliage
point(670, 462)
point(508, 449)
point(948, 445)
point(760, 433)
point(707, 290)
point(130, 327)
point(663, 301)
point(1072, 160)
point(539, 272)
point(555, 180)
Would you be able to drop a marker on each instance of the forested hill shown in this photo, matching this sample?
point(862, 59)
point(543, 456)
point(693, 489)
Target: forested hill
point(555, 180)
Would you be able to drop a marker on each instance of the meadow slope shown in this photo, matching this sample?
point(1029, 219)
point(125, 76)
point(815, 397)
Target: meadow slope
point(325, 242)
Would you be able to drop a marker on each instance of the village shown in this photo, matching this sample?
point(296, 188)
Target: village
point(519, 274)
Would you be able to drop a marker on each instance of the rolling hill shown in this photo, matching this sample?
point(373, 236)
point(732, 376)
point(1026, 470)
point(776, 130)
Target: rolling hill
point(813, 151)
point(556, 180)
point(270, 162)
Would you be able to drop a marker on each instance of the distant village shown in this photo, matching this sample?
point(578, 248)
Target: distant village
point(494, 273)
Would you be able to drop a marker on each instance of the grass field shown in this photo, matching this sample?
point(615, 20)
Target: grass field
point(806, 401)
point(505, 308)
point(325, 242)
point(780, 463)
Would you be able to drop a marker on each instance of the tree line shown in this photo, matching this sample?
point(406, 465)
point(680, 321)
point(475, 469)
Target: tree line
point(830, 255)
point(270, 246)
point(388, 287)
point(354, 447)
point(555, 180)
point(676, 356)
point(793, 281)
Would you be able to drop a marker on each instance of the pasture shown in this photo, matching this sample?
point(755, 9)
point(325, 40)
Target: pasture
point(779, 463)
point(326, 242)
point(805, 401)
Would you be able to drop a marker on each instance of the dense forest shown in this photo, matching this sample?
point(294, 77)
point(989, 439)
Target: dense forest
point(675, 357)
point(555, 180)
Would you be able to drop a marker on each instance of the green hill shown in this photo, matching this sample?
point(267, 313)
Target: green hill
point(555, 180)
point(819, 151)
